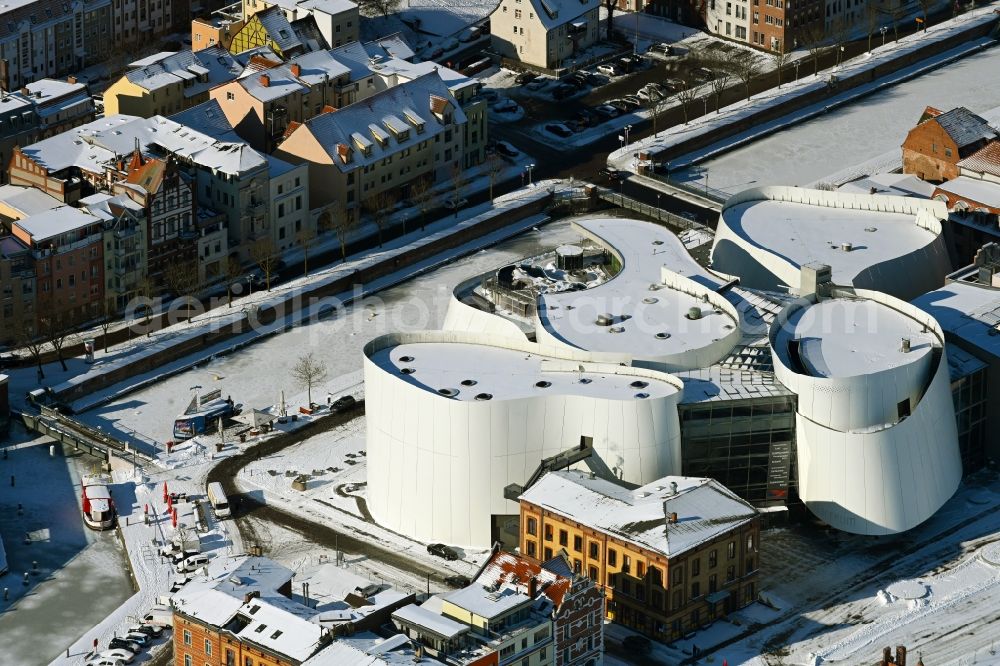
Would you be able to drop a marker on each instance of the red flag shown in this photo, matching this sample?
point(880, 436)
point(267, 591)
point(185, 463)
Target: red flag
point(145, 509)
point(174, 519)
point(165, 493)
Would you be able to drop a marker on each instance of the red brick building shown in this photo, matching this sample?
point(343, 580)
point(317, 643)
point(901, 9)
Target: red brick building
point(933, 149)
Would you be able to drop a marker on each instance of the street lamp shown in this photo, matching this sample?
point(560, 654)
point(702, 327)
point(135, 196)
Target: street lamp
point(706, 181)
point(883, 30)
point(705, 102)
point(797, 63)
point(659, 211)
point(839, 55)
point(530, 167)
point(628, 128)
point(250, 283)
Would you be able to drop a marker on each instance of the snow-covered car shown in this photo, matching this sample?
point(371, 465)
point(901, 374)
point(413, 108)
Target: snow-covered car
point(506, 149)
point(506, 106)
point(117, 643)
point(191, 563)
point(608, 70)
point(148, 629)
point(452, 203)
point(607, 111)
point(559, 130)
point(141, 639)
point(104, 661)
point(159, 616)
point(119, 653)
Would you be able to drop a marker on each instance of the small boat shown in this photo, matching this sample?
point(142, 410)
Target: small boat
point(98, 506)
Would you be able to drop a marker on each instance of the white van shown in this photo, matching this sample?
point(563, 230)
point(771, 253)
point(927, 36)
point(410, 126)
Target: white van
point(161, 616)
point(220, 504)
point(192, 563)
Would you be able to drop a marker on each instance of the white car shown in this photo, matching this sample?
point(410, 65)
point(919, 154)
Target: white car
point(118, 653)
point(191, 563)
point(452, 203)
point(104, 661)
point(608, 70)
point(141, 639)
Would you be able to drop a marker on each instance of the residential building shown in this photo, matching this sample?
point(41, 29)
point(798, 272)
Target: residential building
point(46, 38)
point(338, 20)
point(368, 649)
point(17, 290)
point(544, 33)
point(983, 164)
point(731, 18)
point(66, 246)
point(214, 31)
point(245, 614)
point(125, 248)
point(288, 197)
point(270, 28)
point(940, 140)
point(139, 21)
point(672, 555)
point(414, 130)
point(168, 83)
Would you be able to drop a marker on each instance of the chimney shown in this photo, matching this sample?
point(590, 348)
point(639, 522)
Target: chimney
point(249, 596)
point(673, 518)
point(265, 80)
point(886, 656)
point(900, 655)
point(673, 487)
point(846, 247)
point(532, 587)
point(905, 346)
point(296, 69)
point(25, 91)
point(71, 80)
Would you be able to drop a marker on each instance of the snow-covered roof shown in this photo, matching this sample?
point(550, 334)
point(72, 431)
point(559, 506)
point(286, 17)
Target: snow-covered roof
point(56, 222)
point(650, 318)
point(93, 145)
point(897, 184)
point(468, 372)
point(332, 7)
point(975, 189)
point(984, 160)
point(720, 383)
point(429, 620)
point(554, 13)
point(850, 337)
point(331, 129)
point(197, 71)
point(279, 29)
point(965, 127)
point(390, 46)
point(968, 312)
point(271, 84)
point(209, 605)
point(276, 629)
point(27, 200)
point(319, 65)
point(705, 508)
point(509, 570)
point(207, 118)
point(489, 603)
point(353, 56)
point(366, 649)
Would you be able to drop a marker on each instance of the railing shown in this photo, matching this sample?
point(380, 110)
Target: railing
point(651, 211)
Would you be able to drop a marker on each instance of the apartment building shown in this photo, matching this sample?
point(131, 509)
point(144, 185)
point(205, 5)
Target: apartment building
point(338, 20)
point(17, 290)
point(544, 33)
point(414, 130)
point(39, 110)
point(933, 149)
point(50, 38)
point(671, 556)
point(139, 21)
point(125, 248)
point(168, 83)
point(288, 198)
point(270, 28)
point(214, 31)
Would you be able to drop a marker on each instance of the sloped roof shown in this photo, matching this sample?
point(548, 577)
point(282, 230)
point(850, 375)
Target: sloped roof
point(27, 200)
point(508, 569)
point(984, 160)
point(208, 119)
point(965, 127)
point(279, 29)
point(705, 508)
point(390, 46)
point(554, 13)
point(214, 63)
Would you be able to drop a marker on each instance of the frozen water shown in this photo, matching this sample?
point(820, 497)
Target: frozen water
point(857, 132)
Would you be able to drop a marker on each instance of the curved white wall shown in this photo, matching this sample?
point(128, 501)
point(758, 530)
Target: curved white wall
point(861, 469)
point(437, 466)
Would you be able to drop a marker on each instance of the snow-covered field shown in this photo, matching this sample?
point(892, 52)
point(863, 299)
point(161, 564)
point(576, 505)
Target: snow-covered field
point(857, 132)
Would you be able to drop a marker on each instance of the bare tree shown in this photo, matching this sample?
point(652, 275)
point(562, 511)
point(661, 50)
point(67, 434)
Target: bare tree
point(746, 66)
point(265, 255)
point(309, 372)
point(107, 319)
point(457, 182)
point(27, 338)
point(873, 17)
point(494, 165)
point(897, 13)
point(840, 34)
point(383, 7)
point(723, 76)
point(306, 239)
point(925, 7)
point(234, 271)
point(816, 43)
point(420, 194)
point(340, 222)
point(378, 206)
point(611, 6)
point(780, 59)
point(182, 279)
point(57, 330)
point(686, 95)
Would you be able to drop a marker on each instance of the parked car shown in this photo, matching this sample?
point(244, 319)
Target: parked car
point(524, 77)
point(159, 615)
point(441, 550)
point(621, 105)
point(141, 639)
point(118, 643)
point(506, 106)
point(625, 64)
point(607, 111)
point(104, 661)
point(578, 79)
point(673, 85)
point(506, 149)
point(703, 73)
point(453, 203)
point(148, 629)
point(457, 581)
point(127, 656)
point(559, 130)
point(611, 174)
point(608, 69)
point(537, 84)
point(191, 563)
point(342, 404)
point(491, 96)
point(562, 91)
point(633, 100)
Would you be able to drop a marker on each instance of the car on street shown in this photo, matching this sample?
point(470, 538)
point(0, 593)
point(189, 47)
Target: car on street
point(506, 106)
point(124, 655)
point(537, 84)
point(559, 130)
point(159, 615)
point(611, 174)
point(607, 111)
point(608, 69)
point(562, 91)
point(104, 661)
point(191, 563)
point(457, 581)
point(525, 77)
point(703, 73)
point(117, 643)
point(673, 85)
point(453, 203)
point(633, 100)
point(506, 149)
point(441, 550)
point(342, 404)
point(621, 105)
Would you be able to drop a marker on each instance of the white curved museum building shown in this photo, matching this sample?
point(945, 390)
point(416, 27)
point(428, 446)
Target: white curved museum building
point(884, 243)
point(454, 417)
point(876, 437)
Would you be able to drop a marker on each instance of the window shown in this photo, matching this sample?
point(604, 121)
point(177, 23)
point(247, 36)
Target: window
point(903, 409)
point(695, 590)
point(563, 538)
point(732, 549)
point(532, 526)
point(548, 554)
point(208, 647)
point(612, 557)
point(639, 569)
point(678, 599)
point(749, 565)
point(187, 660)
point(678, 575)
point(187, 637)
point(230, 96)
point(730, 574)
point(593, 573)
point(712, 584)
point(578, 544)
point(531, 548)
point(713, 559)
point(626, 564)
point(695, 566)
point(548, 533)
point(594, 550)
point(750, 542)
point(947, 152)
point(656, 576)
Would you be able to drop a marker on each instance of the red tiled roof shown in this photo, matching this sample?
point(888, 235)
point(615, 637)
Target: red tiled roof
point(514, 570)
point(984, 160)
